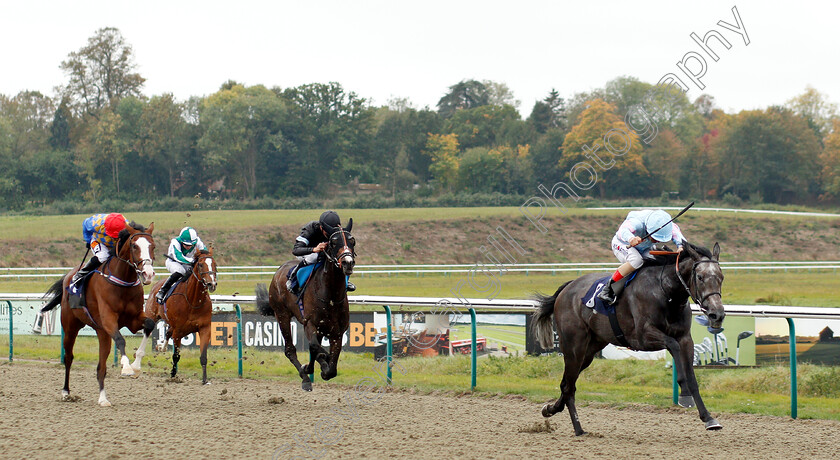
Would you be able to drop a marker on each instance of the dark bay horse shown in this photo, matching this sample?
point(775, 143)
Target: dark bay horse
point(113, 299)
point(653, 313)
point(325, 311)
point(188, 309)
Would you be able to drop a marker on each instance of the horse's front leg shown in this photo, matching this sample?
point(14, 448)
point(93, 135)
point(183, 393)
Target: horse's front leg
point(148, 327)
point(335, 350)
point(290, 350)
point(102, 366)
point(204, 336)
point(686, 363)
point(176, 355)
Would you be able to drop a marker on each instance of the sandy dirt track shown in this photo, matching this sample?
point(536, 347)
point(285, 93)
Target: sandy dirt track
point(152, 417)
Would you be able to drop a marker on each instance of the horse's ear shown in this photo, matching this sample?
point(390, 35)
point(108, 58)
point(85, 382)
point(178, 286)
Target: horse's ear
point(716, 251)
point(349, 225)
point(151, 228)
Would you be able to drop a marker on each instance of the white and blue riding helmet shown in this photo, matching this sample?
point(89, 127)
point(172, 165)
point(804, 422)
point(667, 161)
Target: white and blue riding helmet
point(657, 219)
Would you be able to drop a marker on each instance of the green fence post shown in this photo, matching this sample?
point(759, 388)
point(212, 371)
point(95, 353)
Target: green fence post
point(389, 346)
point(792, 368)
point(11, 331)
point(674, 380)
point(115, 354)
point(62, 342)
point(473, 350)
point(239, 335)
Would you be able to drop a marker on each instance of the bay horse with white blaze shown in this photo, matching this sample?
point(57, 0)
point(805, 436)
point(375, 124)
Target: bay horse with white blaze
point(113, 299)
point(653, 313)
point(325, 311)
point(188, 309)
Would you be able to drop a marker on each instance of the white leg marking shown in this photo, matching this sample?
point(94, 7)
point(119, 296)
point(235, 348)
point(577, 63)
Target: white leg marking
point(138, 357)
point(127, 371)
point(65, 395)
point(103, 401)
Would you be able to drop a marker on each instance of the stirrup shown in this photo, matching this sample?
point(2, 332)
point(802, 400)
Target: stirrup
point(350, 287)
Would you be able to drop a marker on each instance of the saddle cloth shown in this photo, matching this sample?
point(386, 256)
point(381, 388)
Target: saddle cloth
point(591, 299)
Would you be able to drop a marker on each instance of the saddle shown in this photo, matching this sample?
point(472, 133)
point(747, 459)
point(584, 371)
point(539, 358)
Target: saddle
point(591, 300)
point(172, 288)
point(76, 292)
point(303, 275)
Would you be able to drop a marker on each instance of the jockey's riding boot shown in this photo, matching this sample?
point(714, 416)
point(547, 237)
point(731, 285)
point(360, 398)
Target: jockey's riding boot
point(92, 265)
point(168, 284)
point(606, 294)
point(350, 286)
point(292, 281)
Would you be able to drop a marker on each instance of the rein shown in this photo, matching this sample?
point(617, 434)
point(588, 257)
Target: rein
point(694, 281)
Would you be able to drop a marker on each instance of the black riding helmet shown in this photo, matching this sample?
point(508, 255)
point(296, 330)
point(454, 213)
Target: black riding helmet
point(330, 219)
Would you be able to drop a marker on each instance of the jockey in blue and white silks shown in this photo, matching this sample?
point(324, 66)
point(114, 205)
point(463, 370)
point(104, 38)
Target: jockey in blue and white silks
point(631, 250)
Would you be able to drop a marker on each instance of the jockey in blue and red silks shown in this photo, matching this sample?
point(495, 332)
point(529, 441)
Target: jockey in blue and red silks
point(631, 250)
point(100, 232)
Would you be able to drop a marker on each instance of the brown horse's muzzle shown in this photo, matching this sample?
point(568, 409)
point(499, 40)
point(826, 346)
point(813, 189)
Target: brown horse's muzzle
point(147, 273)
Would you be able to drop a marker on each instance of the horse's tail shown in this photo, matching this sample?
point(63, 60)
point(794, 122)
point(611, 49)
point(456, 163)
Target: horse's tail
point(262, 300)
point(541, 324)
point(55, 292)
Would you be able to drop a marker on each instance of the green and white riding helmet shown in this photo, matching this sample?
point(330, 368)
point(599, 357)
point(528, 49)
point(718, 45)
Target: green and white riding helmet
point(188, 236)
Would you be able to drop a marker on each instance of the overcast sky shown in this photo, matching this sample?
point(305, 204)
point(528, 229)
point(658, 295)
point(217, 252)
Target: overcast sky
point(416, 50)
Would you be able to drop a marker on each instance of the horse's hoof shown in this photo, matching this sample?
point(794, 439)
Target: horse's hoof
point(545, 410)
point(581, 433)
point(66, 397)
point(207, 382)
point(104, 403)
point(307, 386)
point(713, 425)
point(126, 374)
point(686, 401)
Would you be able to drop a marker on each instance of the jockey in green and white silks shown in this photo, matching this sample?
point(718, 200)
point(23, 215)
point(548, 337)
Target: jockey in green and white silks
point(179, 258)
point(631, 250)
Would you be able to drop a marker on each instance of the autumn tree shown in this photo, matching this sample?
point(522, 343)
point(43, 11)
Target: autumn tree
point(619, 170)
point(817, 110)
point(443, 151)
point(830, 162)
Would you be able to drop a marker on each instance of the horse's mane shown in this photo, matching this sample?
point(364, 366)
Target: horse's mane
point(671, 259)
point(124, 233)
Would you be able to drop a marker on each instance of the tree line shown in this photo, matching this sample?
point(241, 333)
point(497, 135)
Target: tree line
point(100, 136)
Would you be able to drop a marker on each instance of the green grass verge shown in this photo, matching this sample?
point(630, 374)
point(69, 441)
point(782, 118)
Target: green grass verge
point(817, 288)
point(763, 390)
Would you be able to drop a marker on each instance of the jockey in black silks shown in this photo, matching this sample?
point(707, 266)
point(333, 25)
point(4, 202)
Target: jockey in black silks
point(313, 240)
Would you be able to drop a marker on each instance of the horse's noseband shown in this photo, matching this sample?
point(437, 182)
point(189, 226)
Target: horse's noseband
point(694, 282)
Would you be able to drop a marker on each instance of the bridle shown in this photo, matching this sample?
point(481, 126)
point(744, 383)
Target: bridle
point(693, 281)
point(345, 250)
point(199, 275)
point(130, 262)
